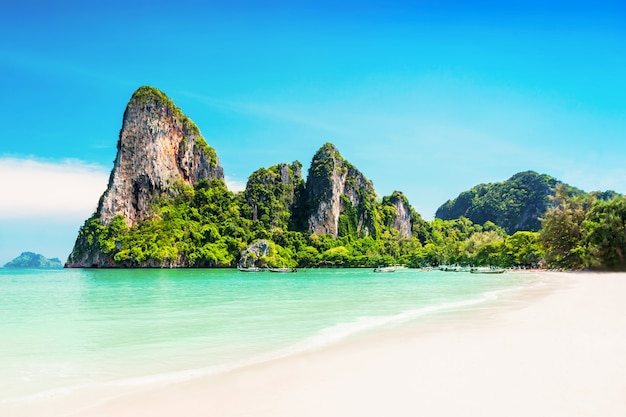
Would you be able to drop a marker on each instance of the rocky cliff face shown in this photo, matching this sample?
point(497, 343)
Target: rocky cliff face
point(401, 218)
point(161, 154)
point(252, 255)
point(88, 253)
point(340, 198)
point(158, 146)
point(273, 192)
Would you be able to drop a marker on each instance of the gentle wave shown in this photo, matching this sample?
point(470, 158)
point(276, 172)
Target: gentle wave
point(322, 339)
point(342, 331)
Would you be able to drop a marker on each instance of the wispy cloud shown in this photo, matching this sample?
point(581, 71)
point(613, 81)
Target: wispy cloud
point(32, 188)
point(588, 178)
point(292, 113)
point(234, 184)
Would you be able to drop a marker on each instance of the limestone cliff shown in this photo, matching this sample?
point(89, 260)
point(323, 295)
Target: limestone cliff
point(400, 217)
point(340, 199)
point(167, 206)
point(273, 193)
point(158, 146)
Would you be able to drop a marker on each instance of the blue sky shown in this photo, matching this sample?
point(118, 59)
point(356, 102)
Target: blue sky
point(426, 97)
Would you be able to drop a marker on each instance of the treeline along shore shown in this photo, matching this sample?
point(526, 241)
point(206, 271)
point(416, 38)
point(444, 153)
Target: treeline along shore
point(167, 205)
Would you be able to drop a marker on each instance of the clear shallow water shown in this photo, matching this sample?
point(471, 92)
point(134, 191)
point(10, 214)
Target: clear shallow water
point(66, 330)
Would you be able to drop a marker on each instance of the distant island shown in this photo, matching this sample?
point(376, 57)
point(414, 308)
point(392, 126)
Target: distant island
point(167, 206)
point(34, 260)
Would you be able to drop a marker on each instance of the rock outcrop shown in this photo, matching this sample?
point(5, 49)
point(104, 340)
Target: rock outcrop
point(253, 254)
point(166, 204)
point(401, 218)
point(273, 193)
point(340, 199)
point(158, 147)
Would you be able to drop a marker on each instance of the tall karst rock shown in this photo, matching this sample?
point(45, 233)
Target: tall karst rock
point(158, 147)
point(399, 214)
point(166, 204)
point(273, 194)
point(340, 200)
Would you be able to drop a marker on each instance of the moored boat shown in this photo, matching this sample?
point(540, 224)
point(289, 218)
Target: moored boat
point(385, 269)
point(251, 269)
point(487, 271)
point(283, 270)
point(454, 268)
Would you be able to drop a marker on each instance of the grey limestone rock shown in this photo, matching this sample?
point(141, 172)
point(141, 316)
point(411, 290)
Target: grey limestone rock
point(334, 186)
point(158, 147)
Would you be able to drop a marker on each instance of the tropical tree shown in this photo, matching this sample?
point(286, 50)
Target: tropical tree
point(605, 235)
point(522, 249)
point(562, 230)
point(472, 246)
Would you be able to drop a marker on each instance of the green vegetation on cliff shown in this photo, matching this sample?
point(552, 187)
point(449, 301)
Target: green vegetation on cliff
point(273, 194)
point(335, 218)
point(336, 187)
point(576, 230)
point(147, 96)
point(515, 204)
point(150, 96)
point(205, 226)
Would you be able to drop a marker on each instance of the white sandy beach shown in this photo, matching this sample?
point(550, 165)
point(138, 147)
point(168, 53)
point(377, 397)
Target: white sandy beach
point(560, 351)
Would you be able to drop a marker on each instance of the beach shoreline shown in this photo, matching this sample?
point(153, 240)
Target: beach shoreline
point(554, 350)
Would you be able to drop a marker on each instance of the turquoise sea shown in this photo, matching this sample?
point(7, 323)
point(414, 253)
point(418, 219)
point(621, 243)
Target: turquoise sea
point(66, 331)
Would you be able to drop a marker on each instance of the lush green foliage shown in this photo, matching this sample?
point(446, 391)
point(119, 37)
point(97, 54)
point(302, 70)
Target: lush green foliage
point(209, 226)
point(490, 224)
point(205, 227)
point(360, 211)
point(271, 195)
point(515, 204)
point(585, 232)
point(561, 235)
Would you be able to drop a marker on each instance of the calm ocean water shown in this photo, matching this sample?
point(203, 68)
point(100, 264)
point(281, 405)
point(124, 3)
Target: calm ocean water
point(63, 331)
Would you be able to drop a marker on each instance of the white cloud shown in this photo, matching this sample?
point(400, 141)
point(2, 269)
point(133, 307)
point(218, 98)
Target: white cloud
point(234, 185)
point(68, 189)
point(588, 179)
